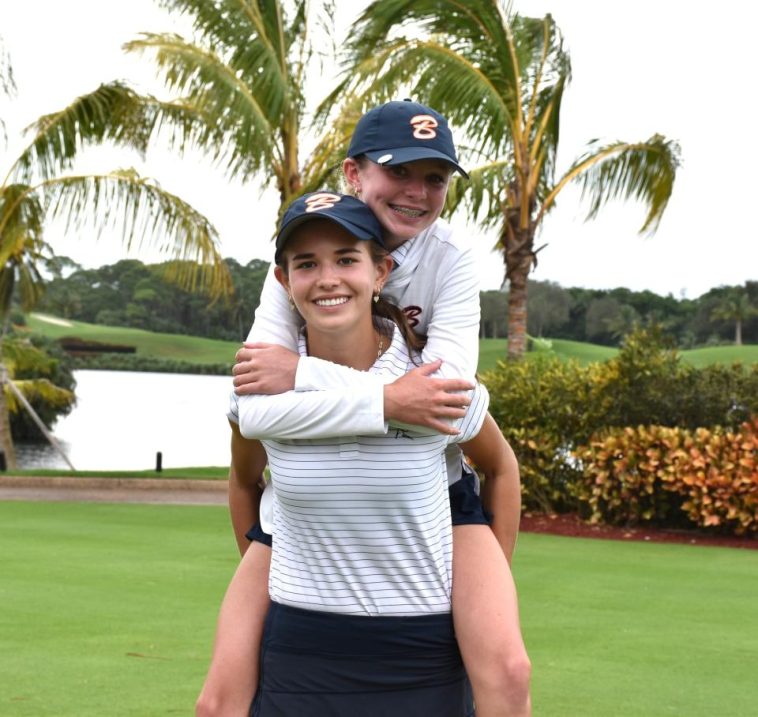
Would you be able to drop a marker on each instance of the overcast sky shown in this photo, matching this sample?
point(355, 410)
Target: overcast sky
point(683, 70)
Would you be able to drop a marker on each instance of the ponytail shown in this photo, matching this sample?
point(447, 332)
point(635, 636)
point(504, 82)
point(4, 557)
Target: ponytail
point(383, 309)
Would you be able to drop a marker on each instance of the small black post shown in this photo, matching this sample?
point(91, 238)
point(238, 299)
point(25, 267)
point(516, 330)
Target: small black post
point(158, 462)
point(3, 465)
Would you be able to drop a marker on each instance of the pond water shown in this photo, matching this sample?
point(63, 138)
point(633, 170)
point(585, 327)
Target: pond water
point(123, 418)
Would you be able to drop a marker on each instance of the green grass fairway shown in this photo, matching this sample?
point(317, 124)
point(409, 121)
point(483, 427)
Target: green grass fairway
point(721, 354)
point(639, 629)
point(109, 610)
point(492, 350)
point(167, 346)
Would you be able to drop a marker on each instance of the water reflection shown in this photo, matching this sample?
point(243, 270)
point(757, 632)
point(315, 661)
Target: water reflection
point(122, 418)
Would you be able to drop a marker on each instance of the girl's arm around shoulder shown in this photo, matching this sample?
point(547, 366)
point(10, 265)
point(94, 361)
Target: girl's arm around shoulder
point(453, 330)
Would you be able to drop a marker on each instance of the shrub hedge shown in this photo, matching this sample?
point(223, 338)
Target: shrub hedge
point(135, 362)
point(551, 410)
point(706, 477)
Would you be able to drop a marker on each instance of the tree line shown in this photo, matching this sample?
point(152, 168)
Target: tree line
point(725, 314)
point(130, 293)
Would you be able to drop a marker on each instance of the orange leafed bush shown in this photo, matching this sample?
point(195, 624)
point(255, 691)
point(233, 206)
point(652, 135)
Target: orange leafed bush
point(654, 473)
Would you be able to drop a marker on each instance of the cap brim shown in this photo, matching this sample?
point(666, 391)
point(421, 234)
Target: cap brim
point(286, 231)
point(400, 155)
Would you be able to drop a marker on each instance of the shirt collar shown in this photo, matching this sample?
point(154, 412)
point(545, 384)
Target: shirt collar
point(399, 254)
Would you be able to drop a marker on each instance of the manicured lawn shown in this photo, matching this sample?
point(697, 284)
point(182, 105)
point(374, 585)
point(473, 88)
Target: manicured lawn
point(639, 629)
point(108, 610)
point(492, 350)
point(200, 350)
point(167, 346)
point(721, 354)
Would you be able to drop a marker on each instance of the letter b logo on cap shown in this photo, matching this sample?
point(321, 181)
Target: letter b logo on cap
point(423, 126)
point(322, 200)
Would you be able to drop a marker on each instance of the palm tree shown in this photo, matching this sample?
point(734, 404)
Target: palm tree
point(238, 97)
point(501, 77)
point(735, 306)
point(36, 188)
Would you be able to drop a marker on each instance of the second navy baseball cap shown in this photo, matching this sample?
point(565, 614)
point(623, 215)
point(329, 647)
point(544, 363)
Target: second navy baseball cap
point(404, 131)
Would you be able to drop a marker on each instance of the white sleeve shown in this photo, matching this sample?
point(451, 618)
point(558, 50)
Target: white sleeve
point(310, 414)
point(351, 402)
point(275, 322)
point(453, 331)
point(470, 425)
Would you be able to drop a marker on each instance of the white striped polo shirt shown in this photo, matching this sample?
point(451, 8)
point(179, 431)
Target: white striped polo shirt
point(362, 523)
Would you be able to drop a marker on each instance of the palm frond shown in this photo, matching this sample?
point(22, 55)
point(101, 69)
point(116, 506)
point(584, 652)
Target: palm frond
point(483, 194)
point(25, 356)
point(112, 113)
point(483, 31)
point(474, 23)
point(546, 131)
point(258, 39)
point(246, 33)
point(39, 388)
point(206, 81)
point(146, 215)
point(643, 171)
point(117, 114)
point(22, 246)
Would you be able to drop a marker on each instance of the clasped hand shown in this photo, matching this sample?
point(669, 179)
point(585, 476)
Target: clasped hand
point(264, 369)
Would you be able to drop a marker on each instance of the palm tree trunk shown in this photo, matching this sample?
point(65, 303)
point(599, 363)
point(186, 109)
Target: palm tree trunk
point(517, 243)
point(738, 333)
point(517, 314)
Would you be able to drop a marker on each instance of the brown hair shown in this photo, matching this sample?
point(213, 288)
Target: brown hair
point(383, 309)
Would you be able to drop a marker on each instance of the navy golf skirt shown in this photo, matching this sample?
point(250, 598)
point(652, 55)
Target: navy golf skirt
point(316, 664)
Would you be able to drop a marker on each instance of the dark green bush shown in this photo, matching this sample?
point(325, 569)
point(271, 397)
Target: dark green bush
point(133, 362)
point(547, 407)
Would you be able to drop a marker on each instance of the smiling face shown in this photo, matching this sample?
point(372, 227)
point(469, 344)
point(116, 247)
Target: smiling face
point(406, 198)
point(332, 278)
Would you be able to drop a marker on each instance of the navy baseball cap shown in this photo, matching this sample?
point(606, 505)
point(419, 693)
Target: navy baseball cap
point(398, 132)
point(350, 213)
